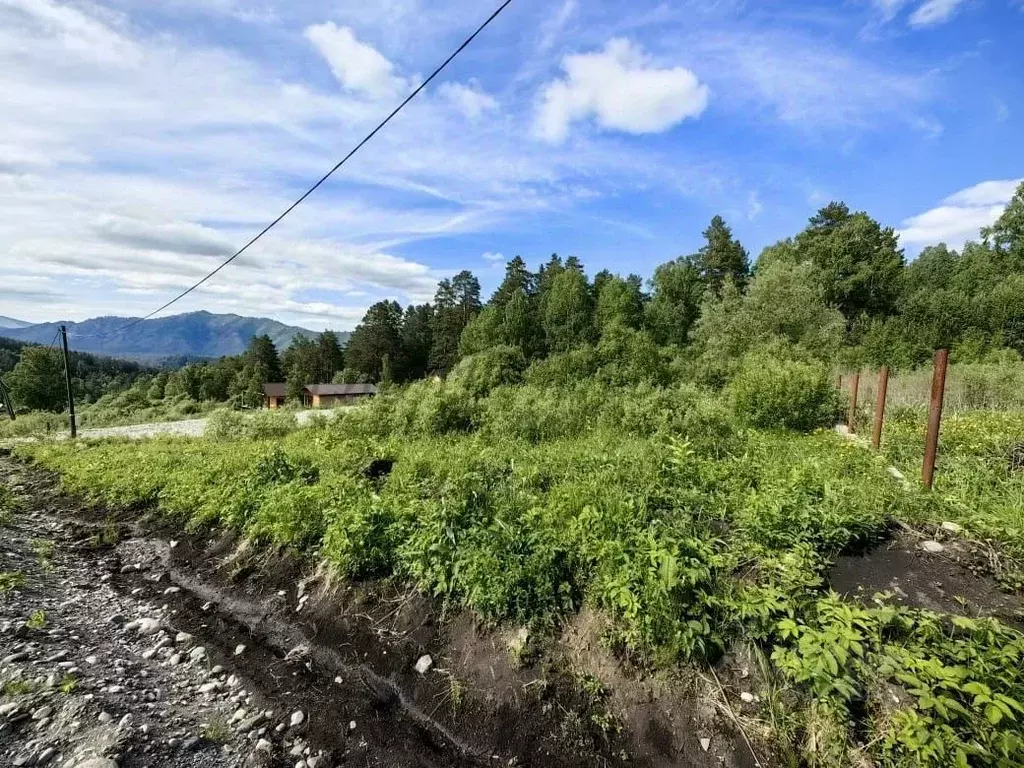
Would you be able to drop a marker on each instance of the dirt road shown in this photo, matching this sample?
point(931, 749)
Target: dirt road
point(186, 428)
point(97, 673)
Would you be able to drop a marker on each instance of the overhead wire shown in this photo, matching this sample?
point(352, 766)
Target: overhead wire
point(325, 177)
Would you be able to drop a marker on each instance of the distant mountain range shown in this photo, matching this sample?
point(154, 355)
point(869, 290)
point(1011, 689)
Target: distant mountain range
point(193, 335)
point(10, 322)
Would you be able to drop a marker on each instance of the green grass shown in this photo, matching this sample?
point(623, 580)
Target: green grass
point(9, 504)
point(975, 485)
point(657, 506)
point(11, 581)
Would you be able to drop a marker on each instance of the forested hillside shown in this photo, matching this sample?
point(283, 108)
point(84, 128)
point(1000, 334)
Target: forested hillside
point(39, 382)
point(841, 290)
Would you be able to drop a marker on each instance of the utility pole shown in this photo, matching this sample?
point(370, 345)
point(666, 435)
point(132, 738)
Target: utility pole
point(5, 400)
point(67, 380)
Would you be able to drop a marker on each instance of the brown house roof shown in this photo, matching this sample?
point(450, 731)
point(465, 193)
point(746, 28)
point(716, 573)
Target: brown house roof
point(341, 389)
point(275, 390)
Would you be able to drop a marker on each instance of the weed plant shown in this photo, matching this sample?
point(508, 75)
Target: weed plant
point(665, 507)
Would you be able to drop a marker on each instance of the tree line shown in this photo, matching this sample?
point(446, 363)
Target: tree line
point(840, 290)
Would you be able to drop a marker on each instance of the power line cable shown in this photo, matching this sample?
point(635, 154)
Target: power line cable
point(327, 175)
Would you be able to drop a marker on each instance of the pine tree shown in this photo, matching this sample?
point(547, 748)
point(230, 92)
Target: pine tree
point(517, 279)
point(456, 303)
point(722, 257)
point(330, 358)
point(417, 339)
point(377, 336)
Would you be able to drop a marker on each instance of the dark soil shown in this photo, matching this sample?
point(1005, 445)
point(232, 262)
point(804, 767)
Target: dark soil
point(946, 582)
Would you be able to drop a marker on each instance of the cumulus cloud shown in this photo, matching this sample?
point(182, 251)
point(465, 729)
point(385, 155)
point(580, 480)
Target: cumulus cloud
point(935, 12)
point(471, 100)
point(961, 215)
point(985, 193)
point(622, 90)
point(492, 257)
point(358, 66)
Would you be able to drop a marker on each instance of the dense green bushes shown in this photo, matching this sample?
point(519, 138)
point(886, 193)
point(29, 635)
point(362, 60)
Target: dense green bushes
point(261, 425)
point(771, 392)
point(688, 527)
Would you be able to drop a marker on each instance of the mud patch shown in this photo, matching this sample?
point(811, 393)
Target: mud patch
point(922, 580)
point(668, 717)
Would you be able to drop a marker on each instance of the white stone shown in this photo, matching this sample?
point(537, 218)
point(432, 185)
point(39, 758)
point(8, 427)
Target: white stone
point(352, 725)
point(705, 744)
point(747, 698)
point(932, 546)
point(182, 637)
point(298, 718)
point(91, 659)
point(145, 626)
point(952, 527)
point(424, 664)
point(239, 649)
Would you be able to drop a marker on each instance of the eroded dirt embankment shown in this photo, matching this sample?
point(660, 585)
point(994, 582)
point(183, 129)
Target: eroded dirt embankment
point(194, 651)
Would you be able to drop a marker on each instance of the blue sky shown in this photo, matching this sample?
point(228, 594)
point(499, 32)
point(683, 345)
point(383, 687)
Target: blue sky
point(140, 143)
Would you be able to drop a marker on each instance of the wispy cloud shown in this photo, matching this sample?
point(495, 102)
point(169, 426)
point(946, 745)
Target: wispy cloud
point(935, 12)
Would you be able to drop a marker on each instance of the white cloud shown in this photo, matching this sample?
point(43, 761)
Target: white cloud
point(961, 215)
point(471, 100)
point(358, 66)
point(492, 257)
point(935, 12)
point(985, 193)
point(622, 90)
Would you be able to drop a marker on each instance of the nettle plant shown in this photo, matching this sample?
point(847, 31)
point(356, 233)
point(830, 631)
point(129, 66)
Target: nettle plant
point(938, 690)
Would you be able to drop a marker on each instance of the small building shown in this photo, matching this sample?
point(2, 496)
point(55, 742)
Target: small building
point(274, 395)
point(330, 395)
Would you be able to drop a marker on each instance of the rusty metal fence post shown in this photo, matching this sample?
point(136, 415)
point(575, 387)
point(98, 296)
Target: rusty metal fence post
point(883, 388)
point(931, 440)
point(854, 389)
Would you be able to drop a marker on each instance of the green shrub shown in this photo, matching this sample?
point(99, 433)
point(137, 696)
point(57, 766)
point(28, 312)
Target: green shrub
point(262, 425)
point(480, 373)
point(771, 393)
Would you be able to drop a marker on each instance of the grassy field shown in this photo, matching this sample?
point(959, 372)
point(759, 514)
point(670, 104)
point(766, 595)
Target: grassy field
point(663, 508)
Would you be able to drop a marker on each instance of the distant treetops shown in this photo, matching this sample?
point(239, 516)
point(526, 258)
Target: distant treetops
point(839, 290)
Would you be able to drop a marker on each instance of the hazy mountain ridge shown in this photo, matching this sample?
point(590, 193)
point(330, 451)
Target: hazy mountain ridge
point(10, 322)
point(196, 334)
